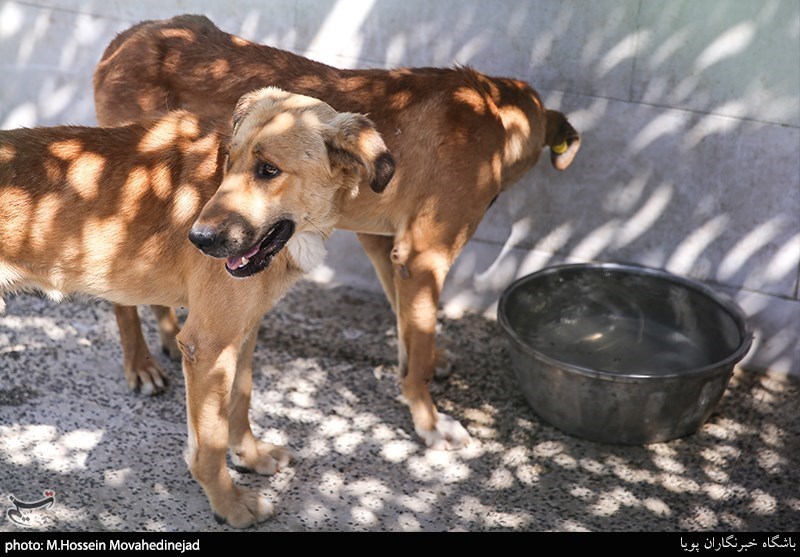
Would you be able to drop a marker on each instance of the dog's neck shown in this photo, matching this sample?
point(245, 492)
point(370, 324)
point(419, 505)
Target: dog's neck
point(307, 250)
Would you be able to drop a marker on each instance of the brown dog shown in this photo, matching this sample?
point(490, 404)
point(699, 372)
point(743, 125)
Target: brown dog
point(109, 212)
point(459, 137)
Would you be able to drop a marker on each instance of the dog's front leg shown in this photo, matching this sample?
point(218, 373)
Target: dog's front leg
point(210, 360)
point(249, 454)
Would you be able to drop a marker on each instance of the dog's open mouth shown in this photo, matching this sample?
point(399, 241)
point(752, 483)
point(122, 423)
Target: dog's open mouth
point(259, 256)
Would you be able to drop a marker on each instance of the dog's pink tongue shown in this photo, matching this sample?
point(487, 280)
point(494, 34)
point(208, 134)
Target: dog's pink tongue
point(234, 263)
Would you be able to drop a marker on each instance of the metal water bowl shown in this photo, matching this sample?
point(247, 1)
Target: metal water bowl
point(621, 354)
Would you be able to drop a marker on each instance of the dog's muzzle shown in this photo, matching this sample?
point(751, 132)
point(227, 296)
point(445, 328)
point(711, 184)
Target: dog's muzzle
point(248, 262)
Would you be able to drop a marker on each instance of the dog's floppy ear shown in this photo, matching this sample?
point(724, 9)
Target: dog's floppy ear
point(245, 103)
point(563, 140)
point(354, 143)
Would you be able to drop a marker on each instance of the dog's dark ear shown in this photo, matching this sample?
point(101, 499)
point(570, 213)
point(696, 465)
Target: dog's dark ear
point(563, 140)
point(354, 143)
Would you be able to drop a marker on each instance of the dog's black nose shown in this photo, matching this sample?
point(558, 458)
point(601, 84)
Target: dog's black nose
point(204, 237)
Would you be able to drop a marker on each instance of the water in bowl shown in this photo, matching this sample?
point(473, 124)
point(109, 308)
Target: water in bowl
point(616, 344)
point(617, 323)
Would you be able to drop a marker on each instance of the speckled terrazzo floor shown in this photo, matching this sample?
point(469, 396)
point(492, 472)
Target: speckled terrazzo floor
point(325, 386)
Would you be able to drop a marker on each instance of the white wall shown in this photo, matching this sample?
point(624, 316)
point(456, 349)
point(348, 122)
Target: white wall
point(689, 110)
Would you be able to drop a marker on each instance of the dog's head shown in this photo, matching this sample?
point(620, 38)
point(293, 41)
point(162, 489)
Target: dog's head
point(292, 163)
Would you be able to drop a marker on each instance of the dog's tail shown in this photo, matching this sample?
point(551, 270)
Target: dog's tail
point(563, 140)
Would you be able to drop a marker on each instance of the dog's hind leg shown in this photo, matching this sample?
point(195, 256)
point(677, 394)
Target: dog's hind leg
point(168, 329)
point(381, 252)
point(419, 287)
point(142, 372)
point(249, 454)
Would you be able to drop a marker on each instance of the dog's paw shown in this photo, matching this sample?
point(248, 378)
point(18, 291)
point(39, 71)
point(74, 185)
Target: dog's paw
point(244, 509)
point(146, 377)
point(265, 459)
point(448, 435)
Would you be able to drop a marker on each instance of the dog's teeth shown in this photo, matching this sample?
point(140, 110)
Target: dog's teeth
point(244, 262)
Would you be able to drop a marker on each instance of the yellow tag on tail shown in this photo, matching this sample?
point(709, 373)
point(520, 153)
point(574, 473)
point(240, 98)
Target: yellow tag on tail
point(560, 148)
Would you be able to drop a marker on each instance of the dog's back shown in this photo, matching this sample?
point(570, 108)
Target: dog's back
point(80, 207)
point(157, 63)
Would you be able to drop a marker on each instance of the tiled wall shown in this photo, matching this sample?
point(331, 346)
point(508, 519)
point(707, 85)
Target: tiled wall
point(690, 115)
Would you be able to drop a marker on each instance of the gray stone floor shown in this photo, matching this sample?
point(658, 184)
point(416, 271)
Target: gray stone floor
point(325, 386)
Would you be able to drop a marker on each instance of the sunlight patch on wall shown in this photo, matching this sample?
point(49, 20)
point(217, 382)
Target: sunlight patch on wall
point(713, 124)
point(667, 124)
point(688, 252)
point(32, 35)
point(342, 29)
point(727, 45)
point(596, 241)
point(396, 51)
point(646, 217)
point(24, 115)
point(785, 261)
point(624, 50)
point(748, 246)
point(10, 19)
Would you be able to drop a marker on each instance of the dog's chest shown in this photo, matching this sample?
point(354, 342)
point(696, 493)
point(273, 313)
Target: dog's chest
point(307, 250)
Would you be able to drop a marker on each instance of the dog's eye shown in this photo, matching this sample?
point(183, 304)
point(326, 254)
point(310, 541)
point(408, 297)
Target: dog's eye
point(267, 171)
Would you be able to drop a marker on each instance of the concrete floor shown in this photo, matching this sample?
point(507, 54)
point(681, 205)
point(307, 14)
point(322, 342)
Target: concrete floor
point(325, 386)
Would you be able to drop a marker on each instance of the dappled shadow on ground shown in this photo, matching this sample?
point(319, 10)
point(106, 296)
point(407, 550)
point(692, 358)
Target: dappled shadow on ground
point(325, 386)
point(521, 473)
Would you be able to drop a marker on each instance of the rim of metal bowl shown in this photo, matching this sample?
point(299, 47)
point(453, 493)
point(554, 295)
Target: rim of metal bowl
point(724, 301)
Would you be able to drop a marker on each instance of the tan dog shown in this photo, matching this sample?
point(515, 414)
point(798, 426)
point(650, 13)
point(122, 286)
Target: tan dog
point(459, 137)
point(109, 212)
